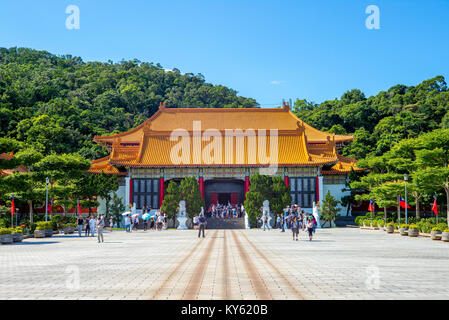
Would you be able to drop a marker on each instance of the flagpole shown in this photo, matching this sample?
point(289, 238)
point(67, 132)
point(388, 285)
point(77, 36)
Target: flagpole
point(405, 179)
point(12, 214)
point(437, 206)
point(46, 198)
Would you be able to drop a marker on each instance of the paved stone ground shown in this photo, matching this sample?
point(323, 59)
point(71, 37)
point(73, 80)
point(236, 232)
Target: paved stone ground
point(227, 264)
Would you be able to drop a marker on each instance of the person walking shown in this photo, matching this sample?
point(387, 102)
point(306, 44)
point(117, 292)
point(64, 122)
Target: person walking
point(295, 228)
point(195, 222)
point(145, 225)
point(310, 228)
point(100, 226)
point(92, 226)
point(265, 222)
point(87, 232)
point(111, 223)
point(80, 224)
point(202, 225)
point(127, 223)
point(314, 224)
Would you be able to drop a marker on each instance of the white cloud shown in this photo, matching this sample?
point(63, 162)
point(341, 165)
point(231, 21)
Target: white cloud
point(276, 82)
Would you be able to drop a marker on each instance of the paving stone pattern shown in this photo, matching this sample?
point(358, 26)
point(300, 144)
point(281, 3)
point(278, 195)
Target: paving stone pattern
point(340, 263)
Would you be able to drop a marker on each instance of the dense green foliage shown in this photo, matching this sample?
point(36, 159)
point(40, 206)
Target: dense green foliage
point(172, 196)
point(59, 103)
point(380, 121)
point(191, 194)
point(263, 187)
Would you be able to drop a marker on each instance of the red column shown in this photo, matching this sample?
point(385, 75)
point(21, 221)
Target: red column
point(246, 186)
point(201, 182)
point(161, 191)
point(131, 191)
point(317, 190)
point(286, 181)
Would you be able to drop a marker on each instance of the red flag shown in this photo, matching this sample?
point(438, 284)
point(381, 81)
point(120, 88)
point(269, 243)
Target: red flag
point(402, 203)
point(371, 208)
point(435, 206)
point(13, 206)
point(79, 207)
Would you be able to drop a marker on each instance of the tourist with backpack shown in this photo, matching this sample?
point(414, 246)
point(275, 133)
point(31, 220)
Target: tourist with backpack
point(202, 225)
point(310, 228)
point(295, 228)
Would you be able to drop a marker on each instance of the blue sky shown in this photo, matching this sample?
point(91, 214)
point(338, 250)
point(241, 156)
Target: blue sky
point(268, 50)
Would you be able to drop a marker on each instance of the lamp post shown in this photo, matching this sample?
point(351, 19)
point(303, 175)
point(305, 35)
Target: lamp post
point(46, 198)
point(405, 179)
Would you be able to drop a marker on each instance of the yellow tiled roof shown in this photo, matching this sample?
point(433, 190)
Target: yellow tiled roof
point(103, 165)
point(149, 145)
point(344, 165)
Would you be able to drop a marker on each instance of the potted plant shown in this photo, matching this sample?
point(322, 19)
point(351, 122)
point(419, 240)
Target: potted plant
point(445, 235)
point(68, 228)
point(48, 228)
point(436, 233)
point(403, 229)
point(413, 230)
point(6, 236)
point(374, 225)
point(39, 232)
point(17, 234)
point(390, 227)
point(381, 224)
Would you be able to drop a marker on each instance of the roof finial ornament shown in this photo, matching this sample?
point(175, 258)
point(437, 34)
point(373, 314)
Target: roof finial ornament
point(162, 106)
point(285, 106)
point(301, 127)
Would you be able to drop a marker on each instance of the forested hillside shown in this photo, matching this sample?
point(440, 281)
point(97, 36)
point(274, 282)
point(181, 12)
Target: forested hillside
point(380, 121)
point(58, 103)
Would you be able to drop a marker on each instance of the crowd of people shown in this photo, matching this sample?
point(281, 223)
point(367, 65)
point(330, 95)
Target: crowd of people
point(295, 219)
point(225, 211)
point(90, 225)
point(158, 222)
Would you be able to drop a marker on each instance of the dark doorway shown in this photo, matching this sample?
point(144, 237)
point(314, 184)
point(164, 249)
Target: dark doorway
point(223, 191)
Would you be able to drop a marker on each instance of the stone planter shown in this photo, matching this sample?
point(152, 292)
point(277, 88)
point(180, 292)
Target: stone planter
point(435, 235)
point(6, 238)
point(68, 230)
point(39, 233)
point(445, 236)
point(389, 229)
point(48, 232)
point(413, 232)
point(17, 237)
point(403, 231)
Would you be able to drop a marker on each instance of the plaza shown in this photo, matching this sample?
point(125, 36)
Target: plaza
point(340, 263)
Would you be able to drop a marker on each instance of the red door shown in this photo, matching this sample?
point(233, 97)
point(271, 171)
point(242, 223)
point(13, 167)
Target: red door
point(234, 198)
point(214, 198)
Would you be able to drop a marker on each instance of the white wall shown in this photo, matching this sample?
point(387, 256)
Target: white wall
point(121, 193)
point(335, 190)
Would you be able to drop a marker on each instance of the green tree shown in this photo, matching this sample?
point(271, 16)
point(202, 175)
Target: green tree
point(172, 197)
point(329, 209)
point(117, 207)
point(190, 190)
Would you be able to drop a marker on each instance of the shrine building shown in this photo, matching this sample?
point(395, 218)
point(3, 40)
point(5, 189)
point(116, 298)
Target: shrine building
point(223, 148)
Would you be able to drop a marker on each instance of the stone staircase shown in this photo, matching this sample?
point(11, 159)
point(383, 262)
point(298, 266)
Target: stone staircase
point(345, 221)
point(233, 223)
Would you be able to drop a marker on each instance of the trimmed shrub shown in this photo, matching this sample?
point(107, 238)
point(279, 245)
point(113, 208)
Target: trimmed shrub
point(405, 226)
point(413, 226)
point(17, 230)
point(5, 231)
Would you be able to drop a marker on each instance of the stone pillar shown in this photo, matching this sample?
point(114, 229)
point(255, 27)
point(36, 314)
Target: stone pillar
point(161, 191)
point(320, 189)
point(246, 187)
point(128, 191)
point(201, 183)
